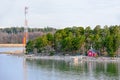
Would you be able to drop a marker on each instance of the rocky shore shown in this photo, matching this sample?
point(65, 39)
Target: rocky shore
point(75, 59)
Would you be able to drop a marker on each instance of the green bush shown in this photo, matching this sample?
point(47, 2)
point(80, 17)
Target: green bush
point(52, 53)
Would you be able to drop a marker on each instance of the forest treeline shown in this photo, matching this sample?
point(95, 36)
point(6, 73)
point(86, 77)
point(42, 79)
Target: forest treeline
point(78, 40)
point(15, 34)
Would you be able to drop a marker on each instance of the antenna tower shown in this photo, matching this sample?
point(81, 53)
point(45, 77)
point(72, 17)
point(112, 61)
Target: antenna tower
point(25, 40)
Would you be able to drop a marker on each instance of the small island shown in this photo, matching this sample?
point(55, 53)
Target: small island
point(74, 41)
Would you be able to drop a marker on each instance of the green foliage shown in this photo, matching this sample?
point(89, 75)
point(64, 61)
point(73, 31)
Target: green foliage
point(78, 39)
point(109, 45)
point(52, 53)
point(40, 43)
point(50, 38)
point(75, 43)
point(66, 44)
point(30, 46)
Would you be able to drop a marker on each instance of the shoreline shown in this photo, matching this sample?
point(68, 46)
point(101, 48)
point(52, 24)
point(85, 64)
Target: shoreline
point(75, 59)
point(16, 52)
point(12, 45)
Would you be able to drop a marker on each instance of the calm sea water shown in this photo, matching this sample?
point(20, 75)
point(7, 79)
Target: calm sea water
point(7, 49)
point(18, 68)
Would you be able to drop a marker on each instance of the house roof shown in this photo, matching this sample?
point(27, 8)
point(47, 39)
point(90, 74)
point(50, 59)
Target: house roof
point(93, 51)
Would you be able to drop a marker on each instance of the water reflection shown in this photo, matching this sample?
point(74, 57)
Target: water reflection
point(19, 68)
point(61, 70)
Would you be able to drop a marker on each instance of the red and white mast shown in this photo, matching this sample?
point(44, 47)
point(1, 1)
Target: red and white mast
point(25, 39)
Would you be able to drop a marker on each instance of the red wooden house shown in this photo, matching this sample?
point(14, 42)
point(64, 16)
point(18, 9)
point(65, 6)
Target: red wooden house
point(91, 53)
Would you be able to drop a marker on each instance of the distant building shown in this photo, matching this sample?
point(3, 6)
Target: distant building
point(91, 52)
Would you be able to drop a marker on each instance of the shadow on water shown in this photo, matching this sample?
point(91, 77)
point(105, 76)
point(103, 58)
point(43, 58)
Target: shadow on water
point(82, 71)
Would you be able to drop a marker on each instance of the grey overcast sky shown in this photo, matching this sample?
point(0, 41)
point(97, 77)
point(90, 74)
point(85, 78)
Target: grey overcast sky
point(60, 13)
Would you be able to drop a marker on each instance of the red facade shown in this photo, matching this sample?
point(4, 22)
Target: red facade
point(91, 53)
